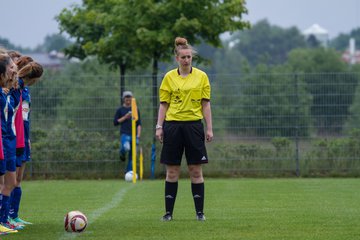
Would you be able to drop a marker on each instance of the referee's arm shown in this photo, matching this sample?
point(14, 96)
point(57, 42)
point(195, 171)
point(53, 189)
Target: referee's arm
point(208, 119)
point(161, 117)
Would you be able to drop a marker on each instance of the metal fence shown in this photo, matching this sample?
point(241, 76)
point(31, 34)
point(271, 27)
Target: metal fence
point(294, 124)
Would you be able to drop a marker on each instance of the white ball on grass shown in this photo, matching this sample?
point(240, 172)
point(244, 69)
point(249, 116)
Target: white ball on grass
point(75, 221)
point(129, 176)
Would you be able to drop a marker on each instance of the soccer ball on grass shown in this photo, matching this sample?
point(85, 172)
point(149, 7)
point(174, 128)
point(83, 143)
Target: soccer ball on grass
point(75, 221)
point(129, 176)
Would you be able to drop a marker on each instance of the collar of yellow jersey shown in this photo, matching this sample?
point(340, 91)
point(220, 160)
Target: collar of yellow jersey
point(178, 70)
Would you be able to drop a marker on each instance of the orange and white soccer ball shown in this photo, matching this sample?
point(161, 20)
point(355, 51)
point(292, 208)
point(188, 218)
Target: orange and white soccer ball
point(75, 221)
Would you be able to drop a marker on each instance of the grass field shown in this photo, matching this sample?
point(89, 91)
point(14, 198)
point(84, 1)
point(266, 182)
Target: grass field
point(235, 209)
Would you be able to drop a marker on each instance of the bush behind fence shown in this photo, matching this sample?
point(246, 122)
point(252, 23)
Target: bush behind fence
point(265, 124)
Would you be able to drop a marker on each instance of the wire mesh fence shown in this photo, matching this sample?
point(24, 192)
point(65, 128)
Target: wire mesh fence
point(294, 124)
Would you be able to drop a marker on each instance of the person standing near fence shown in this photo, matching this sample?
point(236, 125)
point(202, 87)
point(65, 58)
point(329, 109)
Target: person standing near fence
point(123, 116)
point(8, 71)
point(29, 73)
point(184, 102)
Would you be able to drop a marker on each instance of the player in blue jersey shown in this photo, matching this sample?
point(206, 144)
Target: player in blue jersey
point(28, 75)
point(8, 72)
point(123, 116)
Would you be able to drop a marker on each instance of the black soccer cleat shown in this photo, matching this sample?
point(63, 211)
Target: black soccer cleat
point(200, 216)
point(167, 217)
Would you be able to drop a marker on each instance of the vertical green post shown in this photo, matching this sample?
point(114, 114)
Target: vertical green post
point(297, 106)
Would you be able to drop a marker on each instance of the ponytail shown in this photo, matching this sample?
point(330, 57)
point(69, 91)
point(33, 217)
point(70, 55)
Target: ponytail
point(31, 70)
point(22, 61)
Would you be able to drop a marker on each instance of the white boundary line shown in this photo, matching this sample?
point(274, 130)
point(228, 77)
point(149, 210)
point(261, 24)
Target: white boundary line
point(118, 197)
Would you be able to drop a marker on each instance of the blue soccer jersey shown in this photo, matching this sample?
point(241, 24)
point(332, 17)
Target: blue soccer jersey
point(26, 102)
point(26, 116)
point(15, 98)
point(7, 103)
point(26, 99)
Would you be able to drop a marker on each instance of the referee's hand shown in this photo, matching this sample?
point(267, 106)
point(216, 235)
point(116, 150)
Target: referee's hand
point(209, 136)
point(159, 134)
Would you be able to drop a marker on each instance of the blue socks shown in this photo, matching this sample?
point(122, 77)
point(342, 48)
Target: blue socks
point(0, 200)
point(4, 211)
point(15, 202)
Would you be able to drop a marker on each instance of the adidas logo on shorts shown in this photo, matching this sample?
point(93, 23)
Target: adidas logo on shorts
point(203, 158)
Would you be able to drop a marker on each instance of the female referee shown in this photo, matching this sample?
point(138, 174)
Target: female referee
point(184, 102)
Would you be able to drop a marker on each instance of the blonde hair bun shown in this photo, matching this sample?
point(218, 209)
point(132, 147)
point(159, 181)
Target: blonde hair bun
point(180, 41)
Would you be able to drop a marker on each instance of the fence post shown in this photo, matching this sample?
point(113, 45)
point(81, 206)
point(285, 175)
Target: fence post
point(297, 170)
point(31, 168)
point(155, 112)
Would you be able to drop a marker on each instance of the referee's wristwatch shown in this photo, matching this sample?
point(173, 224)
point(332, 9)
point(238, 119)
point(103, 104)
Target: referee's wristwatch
point(158, 127)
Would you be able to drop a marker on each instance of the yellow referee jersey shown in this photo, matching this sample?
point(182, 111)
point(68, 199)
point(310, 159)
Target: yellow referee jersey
point(184, 94)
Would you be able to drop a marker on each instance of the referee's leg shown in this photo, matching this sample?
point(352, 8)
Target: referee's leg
point(198, 189)
point(171, 187)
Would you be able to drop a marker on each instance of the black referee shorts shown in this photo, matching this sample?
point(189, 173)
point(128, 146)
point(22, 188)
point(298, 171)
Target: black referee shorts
point(180, 136)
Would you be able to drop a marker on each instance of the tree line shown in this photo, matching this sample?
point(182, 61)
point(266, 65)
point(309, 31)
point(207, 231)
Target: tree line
point(267, 81)
point(137, 38)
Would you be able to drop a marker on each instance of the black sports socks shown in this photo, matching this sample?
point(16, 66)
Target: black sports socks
point(198, 190)
point(170, 196)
